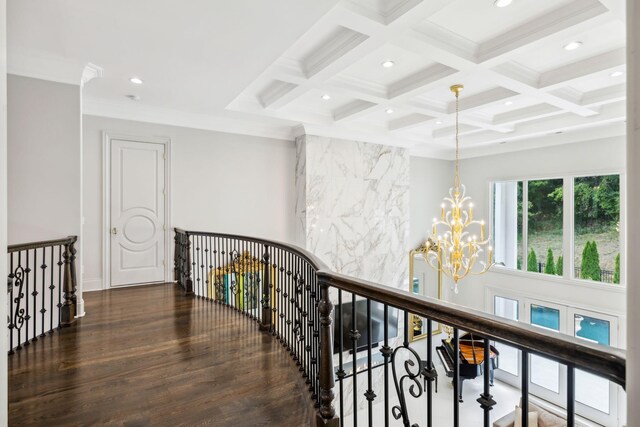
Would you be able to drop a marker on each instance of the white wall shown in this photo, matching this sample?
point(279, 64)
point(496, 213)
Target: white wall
point(219, 182)
point(4, 346)
point(44, 157)
point(633, 199)
point(588, 158)
point(430, 180)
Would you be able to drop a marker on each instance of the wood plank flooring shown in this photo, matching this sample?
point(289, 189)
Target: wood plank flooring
point(148, 355)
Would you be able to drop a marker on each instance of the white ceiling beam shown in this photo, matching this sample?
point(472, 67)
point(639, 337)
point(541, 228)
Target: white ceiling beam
point(358, 20)
point(341, 41)
point(578, 13)
point(564, 122)
point(605, 95)
point(527, 113)
point(481, 99)
point(408, 122)
point(528, 90)
point(353, 110)
point(420, 82)
point(563, 75)
point(279, 93)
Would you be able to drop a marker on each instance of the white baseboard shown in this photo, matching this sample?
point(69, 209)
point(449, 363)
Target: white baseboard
point(80, 308)
point(92, 285)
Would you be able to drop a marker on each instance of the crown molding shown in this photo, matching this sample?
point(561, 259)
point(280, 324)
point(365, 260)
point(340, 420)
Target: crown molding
point(128, 110)
point(90, 72)
point(38, 65)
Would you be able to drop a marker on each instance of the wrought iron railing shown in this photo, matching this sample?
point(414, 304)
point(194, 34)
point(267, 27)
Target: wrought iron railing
point(291, 293)
point(41, 289)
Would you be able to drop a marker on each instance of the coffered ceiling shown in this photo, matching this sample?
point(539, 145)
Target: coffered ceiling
point(522, 87)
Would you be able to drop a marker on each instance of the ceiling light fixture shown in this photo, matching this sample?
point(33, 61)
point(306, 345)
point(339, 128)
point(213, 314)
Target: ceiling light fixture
point(388, 64)
point(136, 80)
point(439, 122)
point(508, 103)
point(389, 110)
point(572, 45)
point(502, 3)
point(617, 73)
point(133, 97)
point(326, 97)
point(454, 247)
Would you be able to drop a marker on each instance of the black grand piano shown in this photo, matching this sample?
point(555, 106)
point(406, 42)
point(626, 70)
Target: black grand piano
point(471, 359)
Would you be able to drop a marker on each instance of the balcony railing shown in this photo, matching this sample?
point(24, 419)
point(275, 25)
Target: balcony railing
point(41, 289)
point(291, 293)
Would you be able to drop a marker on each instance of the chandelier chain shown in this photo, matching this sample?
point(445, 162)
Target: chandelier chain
point(457, 177)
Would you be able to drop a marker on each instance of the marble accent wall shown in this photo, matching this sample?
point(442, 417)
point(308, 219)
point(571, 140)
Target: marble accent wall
point(352, 211)
point(352, 207)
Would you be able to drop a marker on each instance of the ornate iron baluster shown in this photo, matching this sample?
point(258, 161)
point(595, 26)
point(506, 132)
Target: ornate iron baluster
point(19, 275)
point(571, 395)
point(354, 334)
point(52, 287)
point(525, 388)
point(266, 284)
point(386, 354)
point(429, 372)
point(10, 284)
point(486, 399)
point(43, 310)
point(369, 394)
point(412, 367)
point(34, 294)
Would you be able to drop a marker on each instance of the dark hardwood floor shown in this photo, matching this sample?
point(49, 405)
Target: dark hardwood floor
point(150, 356)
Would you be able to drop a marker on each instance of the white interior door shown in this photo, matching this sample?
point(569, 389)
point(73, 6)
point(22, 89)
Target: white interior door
point(137, 212)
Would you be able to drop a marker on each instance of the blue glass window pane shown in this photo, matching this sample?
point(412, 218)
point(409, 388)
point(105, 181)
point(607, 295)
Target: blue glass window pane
point(592, 329)
point(545, 317)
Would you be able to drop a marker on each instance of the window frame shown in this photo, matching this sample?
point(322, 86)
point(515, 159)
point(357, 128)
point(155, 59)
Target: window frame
point(568, 228)
point(567, 312)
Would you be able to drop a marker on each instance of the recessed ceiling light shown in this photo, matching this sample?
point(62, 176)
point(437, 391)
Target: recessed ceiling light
point(617, 73)
point(508, 103)
point(389, 110)
point(502, 3)
point(388, 64)
point(572, 45)
point(136, 80)
point(133, 97)
point(439, 122)
point(326, 97)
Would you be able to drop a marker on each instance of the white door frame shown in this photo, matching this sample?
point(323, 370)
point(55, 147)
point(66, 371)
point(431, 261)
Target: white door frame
point(107, 137)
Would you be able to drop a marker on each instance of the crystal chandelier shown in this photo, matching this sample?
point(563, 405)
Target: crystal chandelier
point(458, 239)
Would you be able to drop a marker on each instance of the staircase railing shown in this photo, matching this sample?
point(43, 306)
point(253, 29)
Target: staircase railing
point(291, 293)
point(41, 289)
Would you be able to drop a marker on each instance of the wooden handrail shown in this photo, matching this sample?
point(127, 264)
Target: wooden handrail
point(605, 362)
point(41, 244)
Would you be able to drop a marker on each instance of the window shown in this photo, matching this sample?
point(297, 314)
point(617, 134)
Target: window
point(597, 228)
point(596, 398)
point(591, 390)
point(544, 236)
point(509, 356)
point(545, 372)
point(529, 227)
point(507, 223)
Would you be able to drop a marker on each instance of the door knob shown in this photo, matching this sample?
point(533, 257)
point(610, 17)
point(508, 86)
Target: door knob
point(114, 230)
